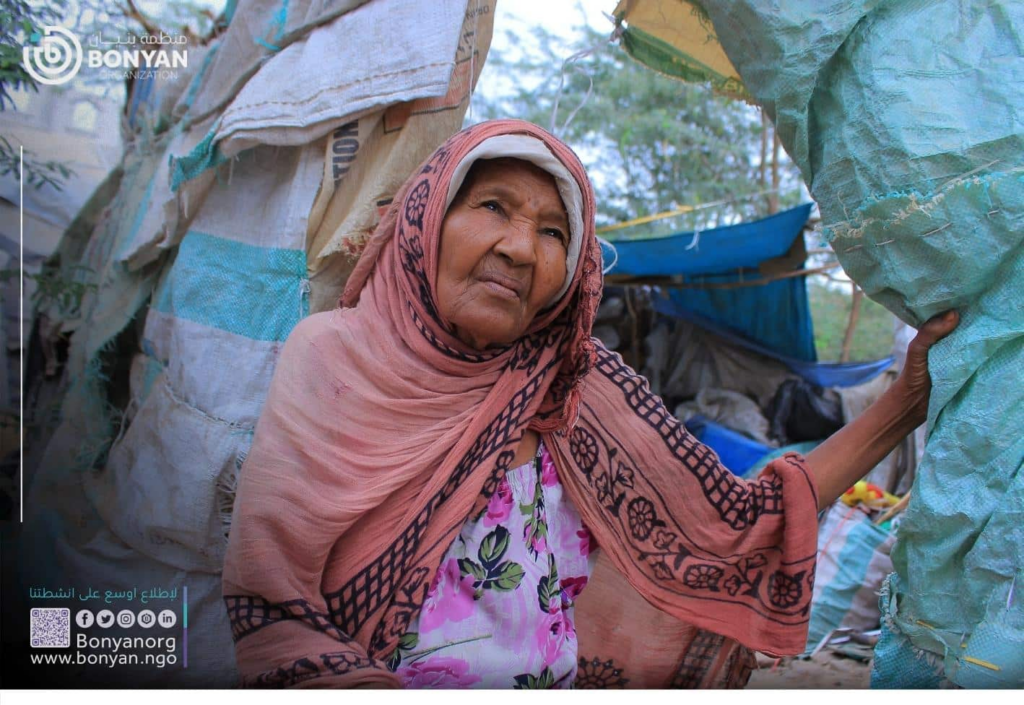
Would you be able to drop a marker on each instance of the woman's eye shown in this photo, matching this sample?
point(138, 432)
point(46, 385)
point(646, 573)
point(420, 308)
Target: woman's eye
point(555, 232)
point(492, 206)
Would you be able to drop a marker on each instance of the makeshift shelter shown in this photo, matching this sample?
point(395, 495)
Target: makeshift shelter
point(234, 213)
point(724, 270)
point(904, 119)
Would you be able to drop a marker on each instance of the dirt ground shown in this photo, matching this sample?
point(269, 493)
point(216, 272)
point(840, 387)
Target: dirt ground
point(826, 671)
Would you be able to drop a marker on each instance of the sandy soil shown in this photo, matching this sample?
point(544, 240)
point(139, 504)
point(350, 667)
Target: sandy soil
point(825, 671)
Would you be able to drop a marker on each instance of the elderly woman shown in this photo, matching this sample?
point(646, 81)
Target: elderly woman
point(439, 459)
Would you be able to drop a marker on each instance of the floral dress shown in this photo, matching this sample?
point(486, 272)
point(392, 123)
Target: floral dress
point(499, 613)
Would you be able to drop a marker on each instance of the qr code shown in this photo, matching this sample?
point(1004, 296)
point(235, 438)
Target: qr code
point(50, 628)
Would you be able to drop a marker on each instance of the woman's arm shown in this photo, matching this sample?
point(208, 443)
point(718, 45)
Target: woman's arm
point(735, 557)
point(851, 453)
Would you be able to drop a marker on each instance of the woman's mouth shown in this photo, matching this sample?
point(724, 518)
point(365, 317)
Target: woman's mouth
point(502, 286)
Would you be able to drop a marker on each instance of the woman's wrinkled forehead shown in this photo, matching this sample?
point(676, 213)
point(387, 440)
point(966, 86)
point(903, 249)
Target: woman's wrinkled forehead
point(532, 150)
point(497, 174)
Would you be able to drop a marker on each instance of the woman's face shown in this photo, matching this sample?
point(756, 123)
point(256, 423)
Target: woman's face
point(503, 251)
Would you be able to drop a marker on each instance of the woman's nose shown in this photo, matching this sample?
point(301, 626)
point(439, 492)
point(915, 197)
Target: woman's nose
point(517, 242)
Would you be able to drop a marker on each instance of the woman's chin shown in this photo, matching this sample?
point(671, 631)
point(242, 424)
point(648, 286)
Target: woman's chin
point(487, 336)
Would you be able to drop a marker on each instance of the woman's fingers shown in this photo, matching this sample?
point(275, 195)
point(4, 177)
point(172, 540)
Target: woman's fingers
point(936, 328)
point(915, 382)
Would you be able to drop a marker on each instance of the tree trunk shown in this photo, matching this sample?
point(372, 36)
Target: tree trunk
point(858, 294)
point(762, 169)
point(773, 198)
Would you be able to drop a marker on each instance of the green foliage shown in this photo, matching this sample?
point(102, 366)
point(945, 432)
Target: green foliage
point(650, 143)
point(21, 23)
point(37, 173)
point(830, 311)
point(63, 290)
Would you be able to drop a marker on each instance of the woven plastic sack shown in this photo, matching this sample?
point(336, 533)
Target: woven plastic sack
point(853, 560)
point(897, 664)
point(905, 120)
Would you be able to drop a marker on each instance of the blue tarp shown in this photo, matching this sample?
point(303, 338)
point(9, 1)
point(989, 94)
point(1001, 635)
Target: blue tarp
point(776, 314)
point(715, 251)
point(737, 452)
point(772, 319)
point(825, 374)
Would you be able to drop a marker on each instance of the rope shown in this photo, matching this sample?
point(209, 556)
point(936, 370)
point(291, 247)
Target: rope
point(613, 37)
point(680, 211)
point(615, 252)
point(561, 85)
point(670, 283)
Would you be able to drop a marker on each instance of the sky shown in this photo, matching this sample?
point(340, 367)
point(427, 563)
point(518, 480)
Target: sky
point(557, 16)
point(514, 20)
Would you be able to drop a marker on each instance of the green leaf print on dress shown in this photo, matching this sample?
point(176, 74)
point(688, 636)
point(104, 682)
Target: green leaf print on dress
point(535, 528)
point(528, 681)
point(549, 591)
point(491, 573)
point(406, 644)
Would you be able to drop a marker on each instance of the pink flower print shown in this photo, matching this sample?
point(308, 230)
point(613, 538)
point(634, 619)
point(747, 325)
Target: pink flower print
point(450, 598)
point(553, 633)
point(538, 544)
point(500, 505)
point(572, 587)
point(586, 541)
point(548, 472)
point(437, 672)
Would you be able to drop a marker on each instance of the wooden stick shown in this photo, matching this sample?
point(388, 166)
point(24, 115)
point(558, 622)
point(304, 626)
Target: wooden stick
point(773, 199)
point(762, 169)
point(134, 13)
point(894, 509)
point(670, 283)
point(634, 345)
point(858, 294)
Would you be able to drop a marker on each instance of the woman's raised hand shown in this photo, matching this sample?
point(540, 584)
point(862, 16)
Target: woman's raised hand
point(851, 452)
point(914, 382)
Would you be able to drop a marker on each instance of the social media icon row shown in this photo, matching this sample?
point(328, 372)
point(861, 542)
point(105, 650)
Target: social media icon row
point(126, 618)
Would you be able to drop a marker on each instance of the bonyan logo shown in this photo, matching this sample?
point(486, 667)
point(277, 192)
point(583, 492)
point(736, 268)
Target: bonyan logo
point(57, 58)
